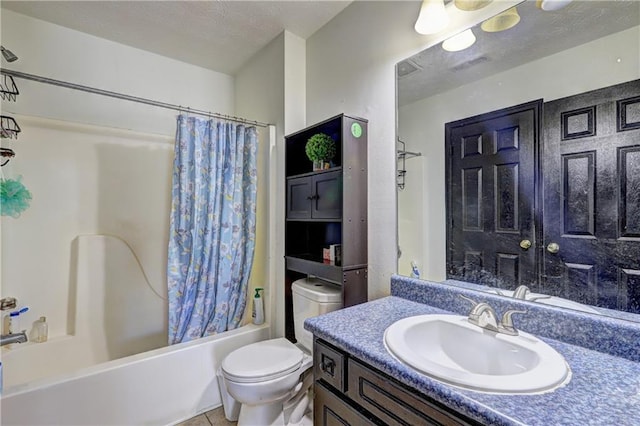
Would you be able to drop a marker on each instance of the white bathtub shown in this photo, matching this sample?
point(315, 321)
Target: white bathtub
point(160, 387)
point(110, 365)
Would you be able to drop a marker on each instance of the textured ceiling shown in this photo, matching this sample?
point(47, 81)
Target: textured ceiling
point(538, 34)
point(219, 35)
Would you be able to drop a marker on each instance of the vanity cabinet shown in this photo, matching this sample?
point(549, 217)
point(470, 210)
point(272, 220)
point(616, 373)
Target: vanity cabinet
point(348, 391)
point(327, 208)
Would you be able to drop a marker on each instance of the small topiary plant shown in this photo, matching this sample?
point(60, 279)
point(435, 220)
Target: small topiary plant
point(320, 147)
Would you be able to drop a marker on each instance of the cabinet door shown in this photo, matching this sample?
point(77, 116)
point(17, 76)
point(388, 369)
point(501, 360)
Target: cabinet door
point(327, 195)
point(391, 402)
point(299, 198)
point(330, 409)
point(315, 197)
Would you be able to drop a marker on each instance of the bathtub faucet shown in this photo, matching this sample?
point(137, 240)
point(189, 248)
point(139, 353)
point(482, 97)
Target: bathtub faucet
point(7, 339)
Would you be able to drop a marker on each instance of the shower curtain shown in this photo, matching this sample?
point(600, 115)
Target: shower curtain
point(212, 231)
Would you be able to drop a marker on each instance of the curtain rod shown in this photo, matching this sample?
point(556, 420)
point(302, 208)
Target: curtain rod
point(117, 95)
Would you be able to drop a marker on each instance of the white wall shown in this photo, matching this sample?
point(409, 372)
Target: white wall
point(270, 88)
point(352, 72)
point(94, 164)
point(351, 69)
point(603, 62)
point(84, 180)
point(60, 53)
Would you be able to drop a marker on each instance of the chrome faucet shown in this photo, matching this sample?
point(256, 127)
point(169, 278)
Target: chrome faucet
point(484, 316)
point(7, 339)
point(522, 292)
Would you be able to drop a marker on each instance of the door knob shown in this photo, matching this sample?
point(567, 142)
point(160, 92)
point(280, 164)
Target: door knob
point(553, 248)
point(525, 244)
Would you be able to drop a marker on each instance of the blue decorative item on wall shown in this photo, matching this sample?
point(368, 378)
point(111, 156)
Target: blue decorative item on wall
point(14, 197)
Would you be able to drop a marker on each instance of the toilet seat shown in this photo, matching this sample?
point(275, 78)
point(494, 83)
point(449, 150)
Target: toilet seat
point(262, 361)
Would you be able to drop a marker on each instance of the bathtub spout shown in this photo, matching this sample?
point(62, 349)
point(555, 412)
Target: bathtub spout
point(7, 339)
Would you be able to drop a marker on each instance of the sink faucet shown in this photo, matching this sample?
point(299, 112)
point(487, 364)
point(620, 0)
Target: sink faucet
point(522, 292)
point(7, 339)
point(484, 316)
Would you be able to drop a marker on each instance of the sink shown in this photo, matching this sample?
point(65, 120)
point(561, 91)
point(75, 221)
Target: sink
point(450, 349)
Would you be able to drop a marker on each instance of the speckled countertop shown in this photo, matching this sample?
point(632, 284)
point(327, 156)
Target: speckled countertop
point(604, 388)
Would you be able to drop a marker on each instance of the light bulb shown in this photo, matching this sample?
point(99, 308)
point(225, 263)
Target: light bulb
point(501, 22)
point(459, 41)
point(433, 17)
point(551, 5)
point(471, 5)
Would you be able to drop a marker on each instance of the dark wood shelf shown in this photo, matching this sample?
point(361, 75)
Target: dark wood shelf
point(318, 172)
point(312, 265)
point(315, 220)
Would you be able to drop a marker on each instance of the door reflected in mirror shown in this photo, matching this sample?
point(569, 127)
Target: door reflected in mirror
point(529, 172)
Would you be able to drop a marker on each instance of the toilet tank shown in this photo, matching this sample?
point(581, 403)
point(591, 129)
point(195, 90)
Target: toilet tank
point(312, 297)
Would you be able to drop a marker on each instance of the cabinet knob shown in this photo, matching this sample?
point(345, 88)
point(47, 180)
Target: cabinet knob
point(525, 244)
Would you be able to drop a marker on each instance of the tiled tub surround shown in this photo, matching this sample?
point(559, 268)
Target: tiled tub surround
point(603, 353)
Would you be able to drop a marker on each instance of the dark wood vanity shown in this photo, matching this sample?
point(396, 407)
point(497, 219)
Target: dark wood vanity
point(348, 391)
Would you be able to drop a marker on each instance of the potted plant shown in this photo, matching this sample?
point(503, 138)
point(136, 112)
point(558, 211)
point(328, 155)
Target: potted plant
point(320, 149)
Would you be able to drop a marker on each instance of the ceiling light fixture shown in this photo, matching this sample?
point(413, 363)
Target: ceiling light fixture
point(433, 17)
point(551, 5)
point(503, 21)
point(459, 41)
point(470, 5)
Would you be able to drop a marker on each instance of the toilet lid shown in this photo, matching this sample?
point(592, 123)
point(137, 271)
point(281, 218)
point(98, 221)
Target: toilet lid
point(262, 361)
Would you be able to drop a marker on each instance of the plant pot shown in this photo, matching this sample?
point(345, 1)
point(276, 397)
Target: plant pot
point(318, 165)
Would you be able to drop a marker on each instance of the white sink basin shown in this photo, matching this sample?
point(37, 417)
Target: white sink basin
point(450, 349)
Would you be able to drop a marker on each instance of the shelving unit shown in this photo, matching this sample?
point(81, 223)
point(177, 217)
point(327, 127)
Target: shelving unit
point(328, 207)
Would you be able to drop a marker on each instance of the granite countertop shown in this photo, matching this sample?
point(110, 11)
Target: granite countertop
point(604, 389)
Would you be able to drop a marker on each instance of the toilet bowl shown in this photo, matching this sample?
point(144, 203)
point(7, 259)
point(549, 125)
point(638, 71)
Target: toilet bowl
point(268, 382)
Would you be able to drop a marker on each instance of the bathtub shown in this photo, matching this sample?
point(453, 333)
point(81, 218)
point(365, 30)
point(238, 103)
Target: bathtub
point(159, 387)
point(110, 365)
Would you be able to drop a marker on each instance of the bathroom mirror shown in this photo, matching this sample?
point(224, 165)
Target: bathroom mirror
point(548, 56)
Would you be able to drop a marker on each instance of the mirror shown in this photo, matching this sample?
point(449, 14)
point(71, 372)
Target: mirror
point(550, 56)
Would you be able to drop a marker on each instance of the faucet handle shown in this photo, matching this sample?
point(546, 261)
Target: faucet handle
point(521, 292)
point(498, 291)
point(535, 298)
point(506, 324)
point(470, 300)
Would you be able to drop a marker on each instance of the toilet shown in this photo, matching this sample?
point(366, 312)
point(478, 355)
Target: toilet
point(268, 382)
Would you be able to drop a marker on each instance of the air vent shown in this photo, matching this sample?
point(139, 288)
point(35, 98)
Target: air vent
point(407, 67)
point(469, 63)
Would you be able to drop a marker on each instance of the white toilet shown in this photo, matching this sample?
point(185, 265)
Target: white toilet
point(267, 383)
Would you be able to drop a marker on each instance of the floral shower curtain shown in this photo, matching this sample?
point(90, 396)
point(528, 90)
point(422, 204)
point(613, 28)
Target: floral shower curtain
point(212, 231)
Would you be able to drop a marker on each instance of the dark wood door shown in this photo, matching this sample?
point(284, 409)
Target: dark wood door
point(491, 197)
point(317, 196)
point(591, 191)
point(299, 198)
point(327, 195)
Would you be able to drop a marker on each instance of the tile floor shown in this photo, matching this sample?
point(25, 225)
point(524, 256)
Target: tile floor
point(210, 418)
